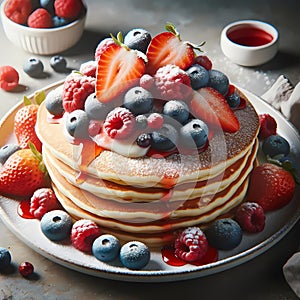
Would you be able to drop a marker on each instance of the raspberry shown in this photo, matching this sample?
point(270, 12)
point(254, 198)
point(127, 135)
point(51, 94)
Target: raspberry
point(83, 234)
point(76, 89)
point(42, 201)
point(102, 46)
point(88, 68)
point(191, 244)
point(155, 121)
point(40, 18)
point(251, 217)
point(172, 83)
point(26, 269)
point(268, 126)
point(9, 78)
point(203, 61)
point(18, 10)
point(147, 82)
point(95, 127)
point(119, 123)
point(68, 9)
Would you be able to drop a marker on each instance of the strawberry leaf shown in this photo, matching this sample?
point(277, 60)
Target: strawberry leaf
point(171, 28)
point(39, 97)
point(26, 101)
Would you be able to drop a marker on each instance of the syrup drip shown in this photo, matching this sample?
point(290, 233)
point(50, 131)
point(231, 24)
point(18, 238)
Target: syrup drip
point(169, 257)
point(24, 210)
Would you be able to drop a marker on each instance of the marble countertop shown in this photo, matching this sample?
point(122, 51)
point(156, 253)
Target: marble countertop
point(260, 278)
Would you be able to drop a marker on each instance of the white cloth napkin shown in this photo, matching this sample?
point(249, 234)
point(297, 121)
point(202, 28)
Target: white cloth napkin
point(286, 98)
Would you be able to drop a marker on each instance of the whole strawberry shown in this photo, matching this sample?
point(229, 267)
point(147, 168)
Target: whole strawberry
point(24, 126)
point(23, 173)
point(271, 186)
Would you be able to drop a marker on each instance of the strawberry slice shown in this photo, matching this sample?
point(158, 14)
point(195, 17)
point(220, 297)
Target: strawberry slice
point(210, 106)
point(168, 48)
point(119, 68)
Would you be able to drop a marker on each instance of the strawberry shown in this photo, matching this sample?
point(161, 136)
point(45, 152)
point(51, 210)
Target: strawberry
point(23, 173)
point(210, 106)
point(271, 186)
point(119, 68)
point(168, 48)
point(24, 124)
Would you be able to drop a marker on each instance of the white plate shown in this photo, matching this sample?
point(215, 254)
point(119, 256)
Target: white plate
point(278, 224)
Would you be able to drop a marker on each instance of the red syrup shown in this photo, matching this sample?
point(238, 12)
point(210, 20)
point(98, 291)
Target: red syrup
point(250, 36)
point(169, 257)
point(24, 210)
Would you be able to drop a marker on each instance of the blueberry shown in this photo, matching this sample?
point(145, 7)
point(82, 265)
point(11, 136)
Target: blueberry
point(138, 100)
point(176, 109)
point(194, 133)
point(234, 100)
point(48, 5)
point(5, 258)
point(33, 67)
point(164, 139)
point(58, 63)
point(95, 109)
point(275, 145)
point(56, 225)
point(106, 247)
point(58, 21)
point(224, 234)
point(134, 255)
point(199, 76)
point(144, 140)
point(218, 81)
point(6, 151)
point(138, 39)
point(54, 102)
point(141, 122)
point(77, 124)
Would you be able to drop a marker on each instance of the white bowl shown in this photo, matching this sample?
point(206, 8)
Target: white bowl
point(43, 41)
point(249, 42)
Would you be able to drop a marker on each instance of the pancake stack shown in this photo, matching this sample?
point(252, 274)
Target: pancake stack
point(150, 198)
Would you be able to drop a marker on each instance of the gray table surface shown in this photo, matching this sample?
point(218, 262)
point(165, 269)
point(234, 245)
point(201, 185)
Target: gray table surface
point(260, 278)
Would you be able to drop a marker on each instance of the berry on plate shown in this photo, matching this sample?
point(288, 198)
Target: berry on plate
point(119, 68)
point(68, 9)
point(203, 61)
point(9, 78)
point(209, 105)
point(199, 76)
point(219, 81)
point(40, 18)
point(176, 110)
point(88, 68)
point(102, 46)
point(138, 39)
point(83, 234)
point(42, 201)
point(167, 48)
point(54, 102)
point(155, 121)
point(77, 124)
point(26, 269)
point(56, 225)
point(164, 139)
point(271, 186)
point(18, 10)
point(23, 173)
point(5, 258)
point(6, 151)
point(144, 140)
point(268, 126)
point(106, 247)
point(134, 255)
point(275, 145)
point(95, 109)
point(191, 244)
point(251, 217)
point(224, 234)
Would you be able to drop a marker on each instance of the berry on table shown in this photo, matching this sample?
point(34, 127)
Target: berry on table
point(6, 151)
point(138, 100)
point(42, 201)
point(275, 145)
point(224, 234)
point(40, 18)
point(18, 10)
point(268, 126)
point(164, 139)
point(56, 225)
point(199, 76)
point(5, 258)
point(95, 109)
point(219, 81)
point(251, 217)
point(69, 9)
point(77, 124)
point(177, 110)
point(9, 78)
point(26, 269)
point(83, 234)
point(106, 247)
point(191, 244)
point(119, 123)
point(33, 67)
point(138, 39)
point(194, 134)
point(58, 63)
point(134, 255)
